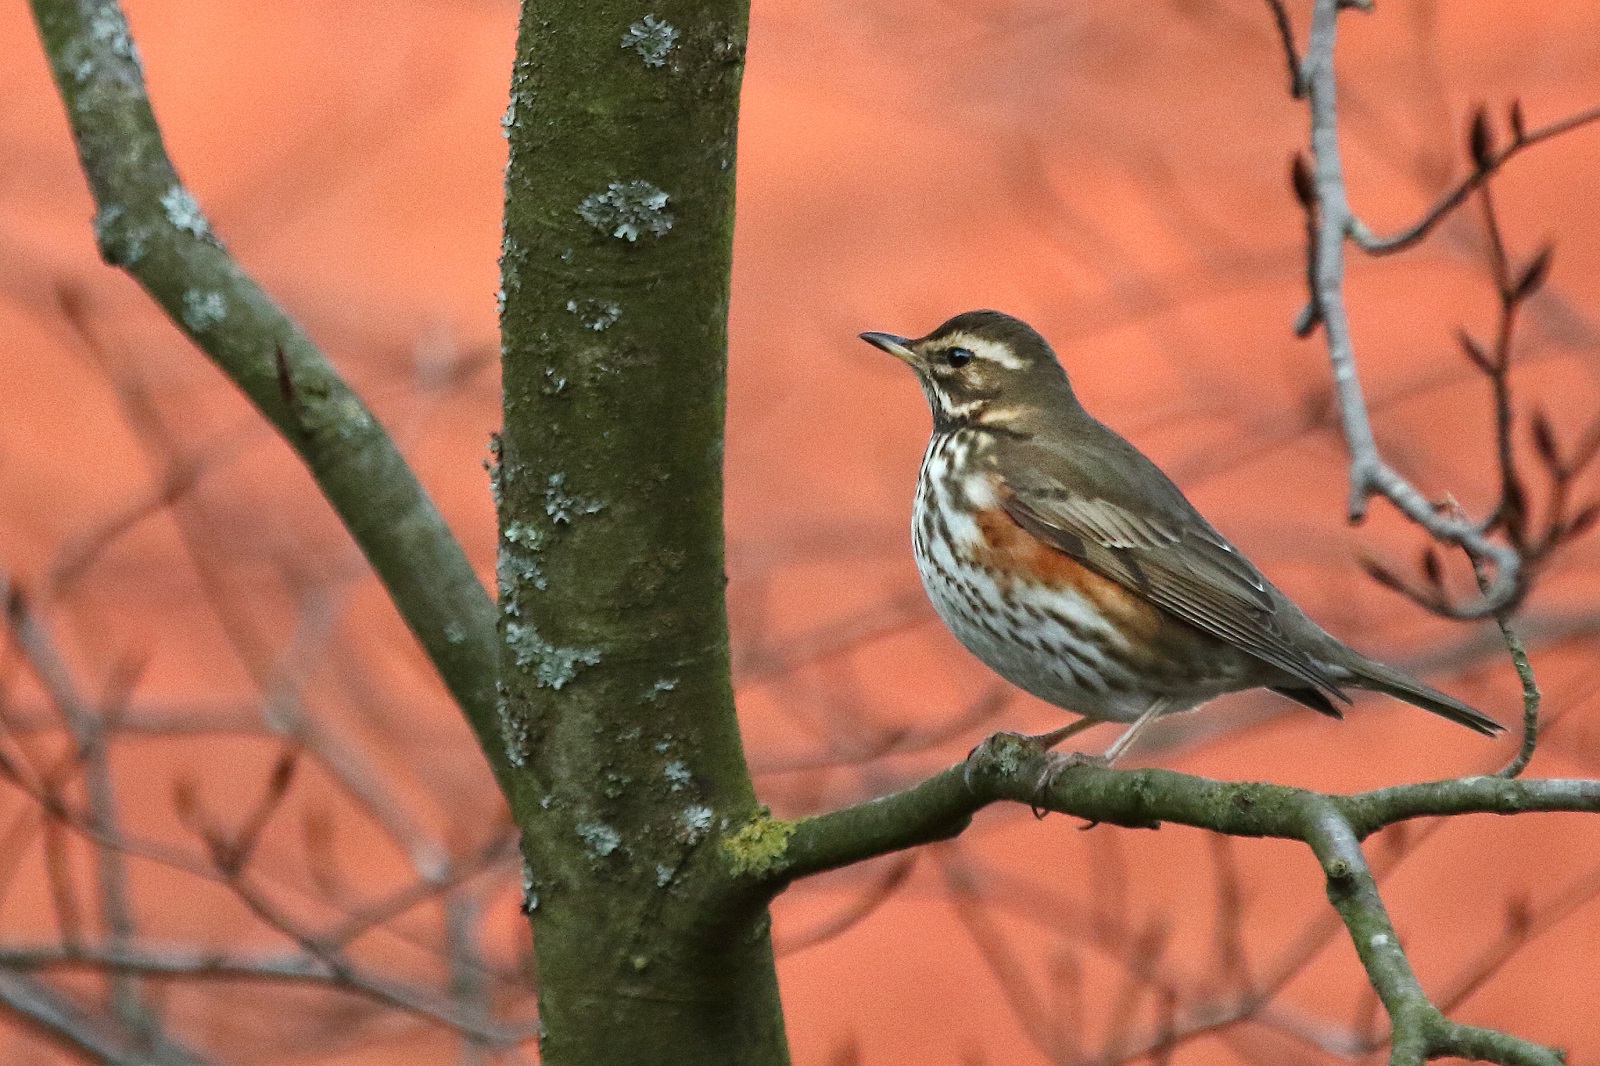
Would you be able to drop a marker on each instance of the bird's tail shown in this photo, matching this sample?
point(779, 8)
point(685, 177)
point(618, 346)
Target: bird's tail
point(1380, 678)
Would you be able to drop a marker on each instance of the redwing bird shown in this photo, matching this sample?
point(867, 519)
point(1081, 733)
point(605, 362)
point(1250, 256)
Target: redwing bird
point(1065, 560)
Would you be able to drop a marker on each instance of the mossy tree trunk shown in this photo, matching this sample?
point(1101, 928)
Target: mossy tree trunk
point(617, 704)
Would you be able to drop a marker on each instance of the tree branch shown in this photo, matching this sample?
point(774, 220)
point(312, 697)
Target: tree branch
point(1531, 697)
point(88, 733)
point(147, 223)
point(1418, 1031)
point(1455, 197)
point(1280, 19)
point(1006, 767)
point(1370, 475)
point(57, 1017)
point(175, 962)
point(1009, 767)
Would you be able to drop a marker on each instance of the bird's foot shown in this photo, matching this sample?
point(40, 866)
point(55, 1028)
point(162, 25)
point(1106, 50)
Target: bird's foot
point(1006, 753)
point(1055, 764)
point(1002, 745)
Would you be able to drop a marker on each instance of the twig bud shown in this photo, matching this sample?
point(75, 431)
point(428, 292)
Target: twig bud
point(1432, 568)
point(1307, 321)
point(1386, 577)
point(186, 802)
point(1582, 522)
point(282, 775)
point(16, 605)
point(1514, 511)
point(1519, 917)
point(1480, 140)
point(1475, 352)
point(1519, 132)
point(1534, 275)
point(1305, 190)
point(1544, 442)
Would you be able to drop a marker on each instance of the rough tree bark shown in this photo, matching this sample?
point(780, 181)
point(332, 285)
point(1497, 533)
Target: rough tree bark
point(617, 713)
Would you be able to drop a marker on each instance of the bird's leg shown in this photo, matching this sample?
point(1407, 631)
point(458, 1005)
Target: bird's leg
point(1122, 743)
point(1055, 763)
point(1046, 741)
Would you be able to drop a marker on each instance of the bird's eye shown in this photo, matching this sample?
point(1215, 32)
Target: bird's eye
point(958, 356)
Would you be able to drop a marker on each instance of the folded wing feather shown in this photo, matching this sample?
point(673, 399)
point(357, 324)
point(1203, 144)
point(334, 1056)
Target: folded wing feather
point(1190, 572)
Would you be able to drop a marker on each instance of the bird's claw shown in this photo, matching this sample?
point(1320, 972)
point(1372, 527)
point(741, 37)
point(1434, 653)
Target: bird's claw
point(1055, 764)
point(1000, 749)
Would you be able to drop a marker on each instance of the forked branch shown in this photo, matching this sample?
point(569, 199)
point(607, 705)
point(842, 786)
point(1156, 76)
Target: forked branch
point(1009, 768)
point(1487, 159)
point(150, 225)
point(1320, 186)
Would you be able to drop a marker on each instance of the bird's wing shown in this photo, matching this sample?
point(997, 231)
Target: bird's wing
point(1182, 566)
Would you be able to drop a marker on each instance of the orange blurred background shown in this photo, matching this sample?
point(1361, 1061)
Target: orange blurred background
point(1114, 173)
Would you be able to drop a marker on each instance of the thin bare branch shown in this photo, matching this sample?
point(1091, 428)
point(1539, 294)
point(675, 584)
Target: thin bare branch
point(1233, 965)
point(1280, 18)
point(1457, 195)
point(88, 734)
point(1008, 970)
point(67, 1024)
point(1369, 474)
point(172, 961)
point(1532, 698)
point(882, 888)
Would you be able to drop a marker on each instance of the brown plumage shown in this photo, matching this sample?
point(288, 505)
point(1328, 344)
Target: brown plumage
point(1072, 566)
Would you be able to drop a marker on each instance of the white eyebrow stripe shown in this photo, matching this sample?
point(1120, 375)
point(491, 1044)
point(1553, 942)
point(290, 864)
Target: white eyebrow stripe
point(993, 351)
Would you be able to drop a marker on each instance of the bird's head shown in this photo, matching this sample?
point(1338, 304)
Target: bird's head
point(981, 368)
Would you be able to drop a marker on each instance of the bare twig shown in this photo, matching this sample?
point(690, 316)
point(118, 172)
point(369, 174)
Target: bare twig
point(1532, 698)
point(308, 969)
point(57, 1017)
point(1234, 967)
point(1370, 475)
point(1144, 952)
point(882, 888)
point(1016, 985)
point(1333, 223)
point(1483, 169)
point(89, 736)
point(894, 742)
point(1280, 18)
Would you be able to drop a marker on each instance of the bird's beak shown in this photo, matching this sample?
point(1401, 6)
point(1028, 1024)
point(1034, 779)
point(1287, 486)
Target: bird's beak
point(895, 345)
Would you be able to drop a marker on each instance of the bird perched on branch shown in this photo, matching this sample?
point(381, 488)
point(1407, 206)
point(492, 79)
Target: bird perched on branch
point(1070, 564)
